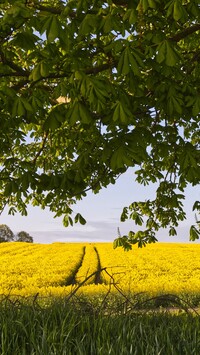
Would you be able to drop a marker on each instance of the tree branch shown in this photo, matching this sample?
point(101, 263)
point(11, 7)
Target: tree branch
point(93, 70)
point(188, 31)
point(19, 84)
point(2, 75)
point(41, 148)
point(52, 10)
point(18, 70)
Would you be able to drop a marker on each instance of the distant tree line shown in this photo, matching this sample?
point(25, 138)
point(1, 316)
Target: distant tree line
point(7, 235)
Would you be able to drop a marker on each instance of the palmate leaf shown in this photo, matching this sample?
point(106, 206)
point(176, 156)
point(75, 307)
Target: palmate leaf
point(130, 60)
point(137, 218)
point(67, 221)
point(52, 122)
point(20, 107)
point(17, 10)
point(172, 231)
point(194, 233)
point(189, 160)
point(44, 69)
point(36, 73)
point(196, 106)
point(161, 52)
point(143, 6)
point(78, 112)
point(131, 15)
point(123, 64)
point(52, 27)
point(166, 53)
point(122, 242)
point(25, 40)
point(120, 159)
point(152, 4)
point(176, 9)
point(133, 62)
point(89, 24)
point(121, 113)
point(79, 218)
point(175, 104)
point(171, 55)
point(196, 206)
point(85, 115)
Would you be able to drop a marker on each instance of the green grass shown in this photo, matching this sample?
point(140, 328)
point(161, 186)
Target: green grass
point(61, 329)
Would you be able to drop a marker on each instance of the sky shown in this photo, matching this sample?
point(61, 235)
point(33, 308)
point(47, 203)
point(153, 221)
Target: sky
point(102, 212)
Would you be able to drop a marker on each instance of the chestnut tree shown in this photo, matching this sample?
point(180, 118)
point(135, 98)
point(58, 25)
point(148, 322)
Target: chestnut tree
point(91, 88)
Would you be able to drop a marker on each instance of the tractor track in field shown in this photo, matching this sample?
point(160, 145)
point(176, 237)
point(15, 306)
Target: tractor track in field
point(98, 277)
point(72, 279)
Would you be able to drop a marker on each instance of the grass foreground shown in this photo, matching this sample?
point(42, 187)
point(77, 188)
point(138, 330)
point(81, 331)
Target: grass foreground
point(62, 330)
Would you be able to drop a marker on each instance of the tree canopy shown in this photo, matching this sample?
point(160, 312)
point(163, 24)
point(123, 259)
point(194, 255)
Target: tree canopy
point(91, 88)
point(6, 234)
point(24, 237)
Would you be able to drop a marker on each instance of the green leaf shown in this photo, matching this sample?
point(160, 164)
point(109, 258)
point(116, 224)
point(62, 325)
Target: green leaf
point(26, 105)
point(137, 218)
point(170, 7)
point(129, 60)
point(122, 242)
point(20, 107)
point(85, 116)
point(67, 221)
point(108, 23)
point(123, 64)
point(143, 6)
point(196, 206)
point(36, 74)
point(120, 159)
point(171, 55)
point(196, 106)
point(131, 15)
point(25, 40)
point(117, 159)
point(116, 113)
point(167, 53)
point(189, 158)
point(73, 113)
point(51, 26)
point(51, 122)
point(174, 104)
point(89, 24)
point(53, 30)
point(194, 233)
point(177, 13)
point(172, 231)
point(152, 4)
point(117, 243)
point(124, 215)
point(79, 218)
point(161, 52)
point(8, 189)
point(121, 113)
point(82, 220)
point(44, 69)
point(133, 62)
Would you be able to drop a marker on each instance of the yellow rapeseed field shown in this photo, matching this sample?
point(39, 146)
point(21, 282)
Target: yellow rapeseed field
point(56, 269)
